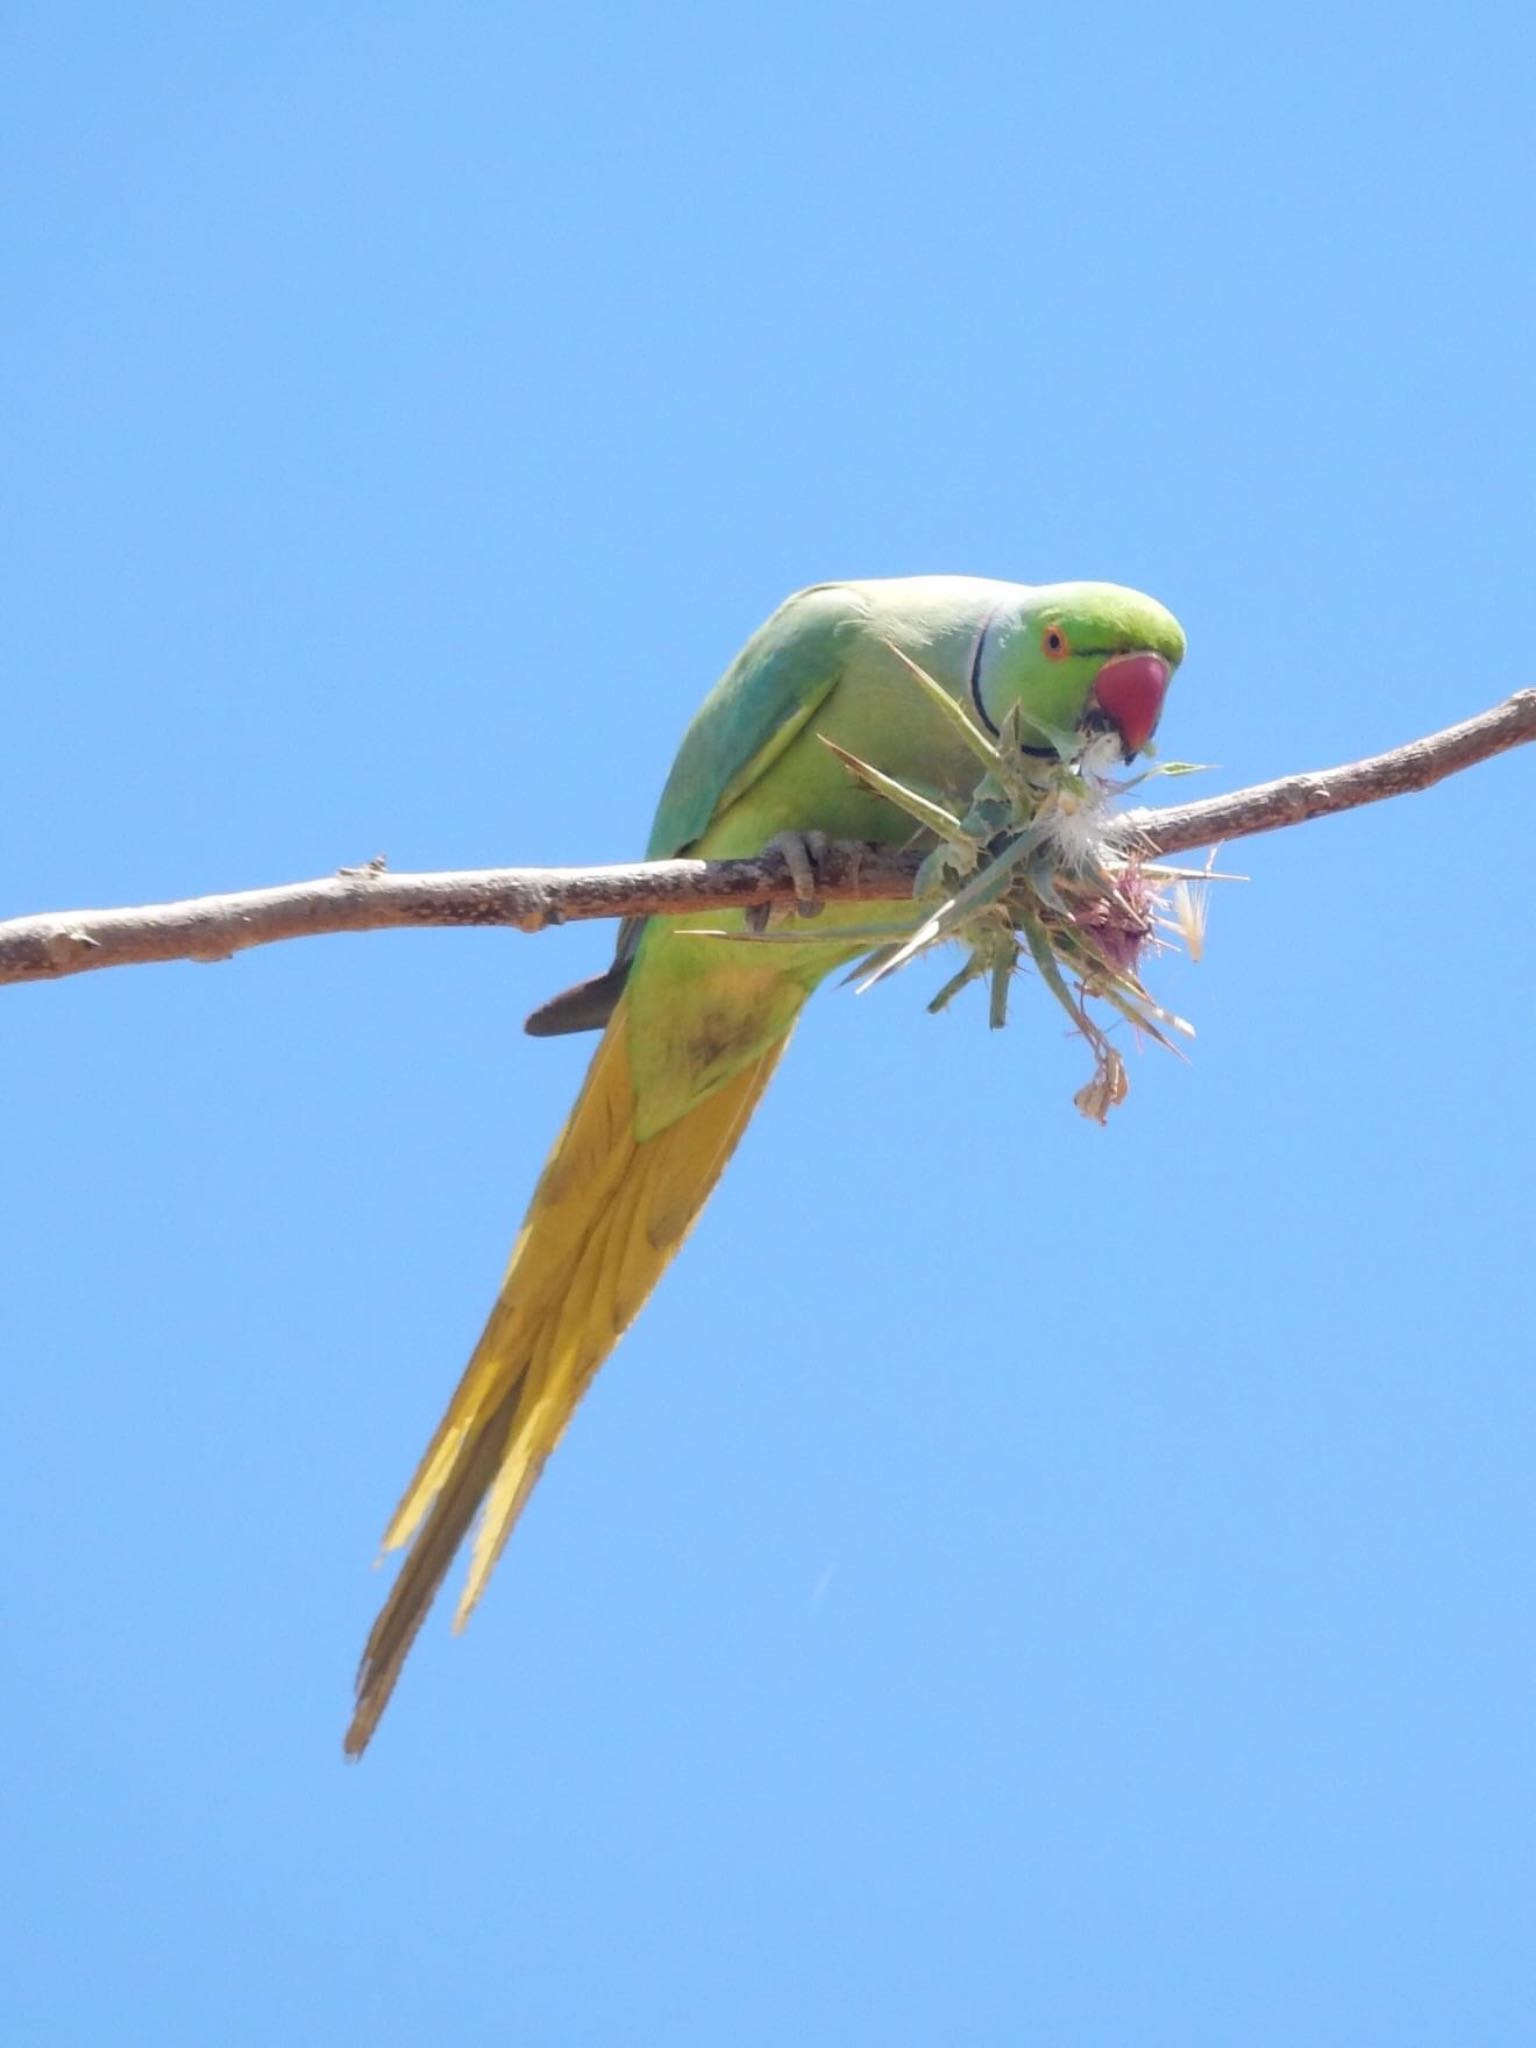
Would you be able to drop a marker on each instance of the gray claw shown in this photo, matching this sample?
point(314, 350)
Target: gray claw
point(802, 851)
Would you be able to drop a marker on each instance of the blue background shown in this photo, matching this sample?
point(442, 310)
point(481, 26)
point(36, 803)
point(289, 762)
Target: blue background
point(1018, 1581)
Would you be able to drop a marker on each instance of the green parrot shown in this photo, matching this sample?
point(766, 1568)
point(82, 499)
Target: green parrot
point(692, 1030)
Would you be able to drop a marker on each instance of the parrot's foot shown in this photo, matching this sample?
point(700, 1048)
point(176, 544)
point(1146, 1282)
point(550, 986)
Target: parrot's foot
point(801, 852)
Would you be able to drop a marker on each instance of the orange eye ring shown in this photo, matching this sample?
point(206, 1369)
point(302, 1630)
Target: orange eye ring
point(1054, 644)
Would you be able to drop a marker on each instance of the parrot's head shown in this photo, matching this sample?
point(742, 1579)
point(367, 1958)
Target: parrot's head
point(1080, 658)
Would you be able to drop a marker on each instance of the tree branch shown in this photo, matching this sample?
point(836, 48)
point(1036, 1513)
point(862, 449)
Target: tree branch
point(1268, 806)
point(46, 947)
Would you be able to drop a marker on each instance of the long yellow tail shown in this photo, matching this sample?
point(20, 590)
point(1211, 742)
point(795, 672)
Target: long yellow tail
point(607, 1215)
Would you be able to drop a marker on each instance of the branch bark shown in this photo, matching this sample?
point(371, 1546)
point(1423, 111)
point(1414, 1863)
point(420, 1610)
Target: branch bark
point(53, 944)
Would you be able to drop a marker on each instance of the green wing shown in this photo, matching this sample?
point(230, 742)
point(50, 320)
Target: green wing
point(780, 679)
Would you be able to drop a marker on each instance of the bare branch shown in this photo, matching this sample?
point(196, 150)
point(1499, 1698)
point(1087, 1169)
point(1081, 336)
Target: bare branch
point(371, 899)
point(46, 947)
point(1268, 806)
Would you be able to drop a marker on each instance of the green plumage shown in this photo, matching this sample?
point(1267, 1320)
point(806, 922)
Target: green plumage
point(695, 1025)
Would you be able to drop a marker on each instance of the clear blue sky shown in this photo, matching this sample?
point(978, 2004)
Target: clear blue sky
point(1018, 1582)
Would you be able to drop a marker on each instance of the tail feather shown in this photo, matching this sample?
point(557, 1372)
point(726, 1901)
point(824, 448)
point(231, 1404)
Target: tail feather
point(607, 1216)
point(392, 1634)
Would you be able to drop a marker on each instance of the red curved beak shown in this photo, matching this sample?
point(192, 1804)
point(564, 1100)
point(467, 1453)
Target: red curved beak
point(1130, 691)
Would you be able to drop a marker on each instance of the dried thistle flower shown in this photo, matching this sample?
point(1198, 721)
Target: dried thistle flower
point(1034, 867)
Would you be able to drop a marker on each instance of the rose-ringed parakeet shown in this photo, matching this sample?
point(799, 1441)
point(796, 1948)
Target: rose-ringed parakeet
point(693, 1028)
